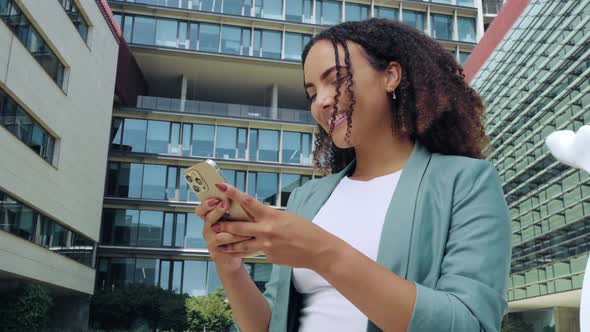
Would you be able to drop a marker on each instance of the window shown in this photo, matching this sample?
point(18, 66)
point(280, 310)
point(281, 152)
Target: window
point(171, 183)
point(356, 12)
point(288, 183)
point(213, 282)
point(76, 17)
point(294, 44)
point(330, 12)
point(144, 30)
point(166, 31)
point(268, 149)
point(414, 19)
point(466, 27)
point(231, 39)
point(195, 278)
point(154, 182)
point(298, 11)
point(194, 232)
point(146, 271)
point(174, 138)
point(122, 271)
point(263, 186)
point(465, 3)
point(134, 135)
point(442, 26)
point(209, 37)
point(272, 9)
point(186, 138)
point(168, 229)
point(28, 35)
point(150, 229)
point(210, 5)
point(226, 142)
point(203, 140)
point(463, 57)
point(385, 12)
point(295, 147)
point(128, 28)
point(271, 44)
point(126, 227)
point(25, 128)
point(233, 7)
point(158, 133)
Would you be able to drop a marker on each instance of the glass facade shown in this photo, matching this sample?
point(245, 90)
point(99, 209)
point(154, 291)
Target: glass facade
point(466, 29)
point(442, 26)
point(528, 96)
point(151, 228)
point(32, 40)
point(76, 17)
point(19, 123)
point(201, 140)
point(192, 277)
point(414, 19)
point(161, 182)
point(29, 224)
point(209, 37)
point(356, 12)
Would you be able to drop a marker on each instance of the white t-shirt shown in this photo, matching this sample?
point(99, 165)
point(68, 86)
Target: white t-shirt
point(355, 212)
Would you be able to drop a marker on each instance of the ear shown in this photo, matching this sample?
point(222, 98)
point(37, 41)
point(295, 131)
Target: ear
point(393, 76)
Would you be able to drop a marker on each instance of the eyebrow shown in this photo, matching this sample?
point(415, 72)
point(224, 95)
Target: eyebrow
point(324, 75)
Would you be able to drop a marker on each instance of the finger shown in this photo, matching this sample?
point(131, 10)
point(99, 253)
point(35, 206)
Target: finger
point(216, 213)
point(241, 254)
point(253, 207)
point(227, 238)
point(242, 228)
point(252, 245)
point(206, 206)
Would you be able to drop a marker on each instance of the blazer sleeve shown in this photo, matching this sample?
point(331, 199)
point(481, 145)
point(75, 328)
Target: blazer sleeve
point(470, 293)
point(271, 287)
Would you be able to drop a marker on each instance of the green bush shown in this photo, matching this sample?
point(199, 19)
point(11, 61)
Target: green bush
point(25, 308)
point(212, 313)
point(123, 308)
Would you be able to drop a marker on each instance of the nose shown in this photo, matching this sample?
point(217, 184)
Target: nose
point(324, 105)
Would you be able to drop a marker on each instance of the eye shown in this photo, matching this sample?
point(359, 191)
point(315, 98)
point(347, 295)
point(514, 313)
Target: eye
point(312, 98)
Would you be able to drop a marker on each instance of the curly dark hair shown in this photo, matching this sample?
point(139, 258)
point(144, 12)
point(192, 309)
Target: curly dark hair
point(434, 105)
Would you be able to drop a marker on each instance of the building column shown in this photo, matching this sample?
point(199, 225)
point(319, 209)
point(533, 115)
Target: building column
point(455, 26)
point(479, 24)
point(183, 86)
point(274, 101)
point(428, 27)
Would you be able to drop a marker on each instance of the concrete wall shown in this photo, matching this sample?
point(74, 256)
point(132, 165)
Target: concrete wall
point(71, 190)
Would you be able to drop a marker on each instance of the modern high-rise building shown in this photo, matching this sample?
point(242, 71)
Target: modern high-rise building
point(534, 74)
point(57, 75)
point(223, 80)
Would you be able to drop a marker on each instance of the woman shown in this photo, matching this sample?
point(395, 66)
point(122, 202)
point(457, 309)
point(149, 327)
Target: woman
point(410, 232)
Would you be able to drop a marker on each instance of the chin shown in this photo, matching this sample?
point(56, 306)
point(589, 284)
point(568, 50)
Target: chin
point(339, 140)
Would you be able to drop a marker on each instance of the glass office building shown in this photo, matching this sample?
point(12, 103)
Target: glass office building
point(536, 81)
point(225, 83)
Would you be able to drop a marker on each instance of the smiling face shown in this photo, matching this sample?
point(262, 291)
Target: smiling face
point(372, 103)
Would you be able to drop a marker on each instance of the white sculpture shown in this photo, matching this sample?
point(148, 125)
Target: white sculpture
point(573, 149)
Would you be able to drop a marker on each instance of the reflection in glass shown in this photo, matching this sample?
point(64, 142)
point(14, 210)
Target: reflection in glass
point(267, 188)
point(165, 274)
point(166, 33)
point(172, 183)
point(175, 138)
point(271, 44)
point(203, 140)
point(168, 229)
point(232, 7)
point(180, 227)
point(231, 39)
point(177, 277)
point(194, 232)
point(146, 271)
point(291, 147)
point(195, 278)
point(150, 228)
point(209, 37)
point(294, 44)
point(144, 30)
point(414, 19)
point(134, 135)
point(122, 271)
point(272, 9)
point(442, 26)
point(186, 139)
point(213, 282)
point(463, 56)
point(253, 149)
point(268, 149)
point(154, 181)
point(356, 12)
point(226, 142)
point(386, 12)
point(125, 227)
point(466, 27)
point(158, 133)
point(329, 11)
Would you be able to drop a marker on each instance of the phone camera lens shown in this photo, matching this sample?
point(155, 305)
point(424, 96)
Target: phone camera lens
point(199, 181)
point(189, 179)
point(195, 188)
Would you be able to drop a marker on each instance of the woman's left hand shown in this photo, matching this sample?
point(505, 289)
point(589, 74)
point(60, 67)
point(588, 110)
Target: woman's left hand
point(285, 238)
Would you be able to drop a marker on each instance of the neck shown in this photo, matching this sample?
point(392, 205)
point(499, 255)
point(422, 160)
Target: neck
point(381, 156)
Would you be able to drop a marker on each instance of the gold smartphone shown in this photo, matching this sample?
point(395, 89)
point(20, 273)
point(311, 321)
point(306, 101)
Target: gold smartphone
point(202, 178)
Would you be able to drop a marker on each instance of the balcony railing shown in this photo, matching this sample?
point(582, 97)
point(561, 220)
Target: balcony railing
point(225, 110)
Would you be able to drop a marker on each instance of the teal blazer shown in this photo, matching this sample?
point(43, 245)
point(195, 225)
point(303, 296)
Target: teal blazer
point(447, 229)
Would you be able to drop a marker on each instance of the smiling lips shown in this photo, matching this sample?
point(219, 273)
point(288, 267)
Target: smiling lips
point(338, 121)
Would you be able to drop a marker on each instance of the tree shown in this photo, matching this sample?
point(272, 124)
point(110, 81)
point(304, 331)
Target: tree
point(125, 307)
point(25, 308)
point(515, 323)
point(211, 313)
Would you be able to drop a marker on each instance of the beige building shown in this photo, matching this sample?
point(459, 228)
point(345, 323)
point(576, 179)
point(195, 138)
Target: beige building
point(57, 76)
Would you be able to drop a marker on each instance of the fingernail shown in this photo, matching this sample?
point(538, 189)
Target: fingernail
point(222, 204)
point(221, 186)
point(216, 228)
point(212, 202)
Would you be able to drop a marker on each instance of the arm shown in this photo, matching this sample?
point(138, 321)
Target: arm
point(469, 296)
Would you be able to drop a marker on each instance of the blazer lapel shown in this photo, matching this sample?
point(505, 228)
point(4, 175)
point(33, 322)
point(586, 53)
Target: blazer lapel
point(394, 245)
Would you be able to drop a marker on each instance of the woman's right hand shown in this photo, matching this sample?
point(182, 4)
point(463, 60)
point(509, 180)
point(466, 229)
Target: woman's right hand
point(212, 211)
